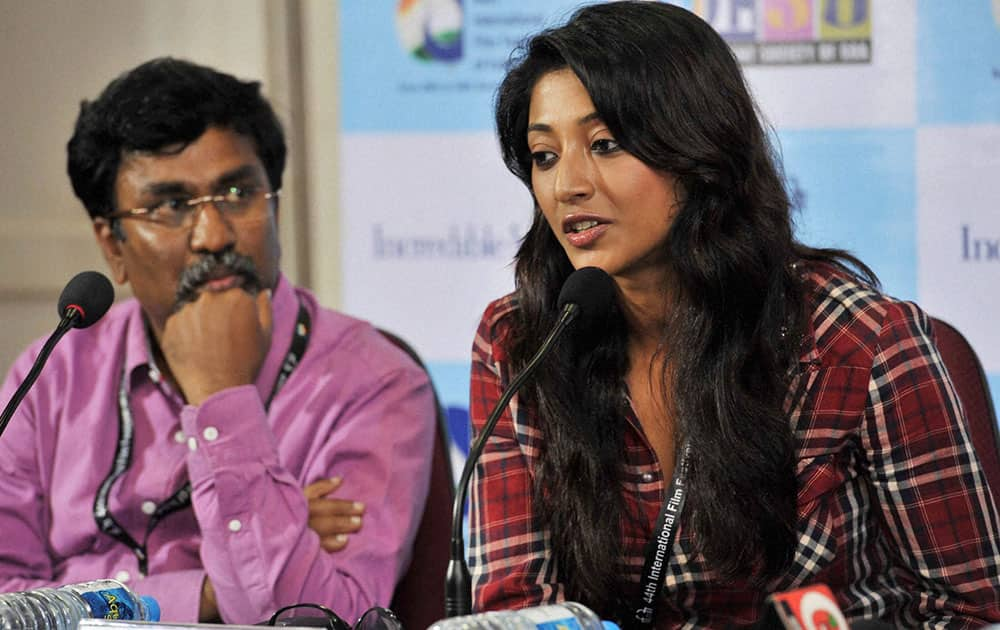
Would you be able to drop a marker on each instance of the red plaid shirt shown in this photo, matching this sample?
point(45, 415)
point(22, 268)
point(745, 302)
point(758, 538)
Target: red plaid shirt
point(894, 513)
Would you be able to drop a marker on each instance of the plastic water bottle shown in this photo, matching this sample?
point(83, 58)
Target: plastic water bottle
point(568, 615)
point(63, 608)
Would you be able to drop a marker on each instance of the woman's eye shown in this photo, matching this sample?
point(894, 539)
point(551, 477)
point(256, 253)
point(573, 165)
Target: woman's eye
point(543, 159)
point(605, 145)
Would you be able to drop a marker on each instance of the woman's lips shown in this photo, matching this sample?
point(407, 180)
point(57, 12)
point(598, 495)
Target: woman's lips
point(582, 231)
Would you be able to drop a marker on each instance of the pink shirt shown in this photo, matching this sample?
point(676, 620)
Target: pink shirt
point(355, 406)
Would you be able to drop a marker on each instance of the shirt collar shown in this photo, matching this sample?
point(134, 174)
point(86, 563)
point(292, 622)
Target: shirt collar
point(139, 361)
point(809, 352)
point(284, 312)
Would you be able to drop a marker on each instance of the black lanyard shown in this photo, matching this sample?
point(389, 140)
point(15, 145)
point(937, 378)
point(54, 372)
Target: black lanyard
point(182, 497)
point(658, 549)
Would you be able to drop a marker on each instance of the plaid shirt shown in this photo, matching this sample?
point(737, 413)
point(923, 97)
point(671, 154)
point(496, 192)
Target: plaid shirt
point(894, 513)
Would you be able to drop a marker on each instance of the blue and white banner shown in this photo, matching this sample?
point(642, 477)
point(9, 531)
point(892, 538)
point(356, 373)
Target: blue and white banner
point(887, 117)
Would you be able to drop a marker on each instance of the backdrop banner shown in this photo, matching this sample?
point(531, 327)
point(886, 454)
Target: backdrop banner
point(887, 116)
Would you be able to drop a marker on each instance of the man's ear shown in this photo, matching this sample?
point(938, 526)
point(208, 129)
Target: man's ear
point(110, 239)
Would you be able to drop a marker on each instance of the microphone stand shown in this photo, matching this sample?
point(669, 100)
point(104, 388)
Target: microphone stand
point(69, 319)
point(458, 581)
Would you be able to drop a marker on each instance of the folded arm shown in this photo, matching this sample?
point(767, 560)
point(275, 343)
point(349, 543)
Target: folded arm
point(258, 548)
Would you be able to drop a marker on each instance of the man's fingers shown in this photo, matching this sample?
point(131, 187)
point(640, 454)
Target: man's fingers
point(333, 525)
point(264, 314)
point(333, 543)
point(217, 342)
point(335, 507)
point(322, 488)
point(332, 519)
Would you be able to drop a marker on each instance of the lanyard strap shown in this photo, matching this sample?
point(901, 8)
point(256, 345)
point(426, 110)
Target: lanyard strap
point(658, 549)
point(182, 497)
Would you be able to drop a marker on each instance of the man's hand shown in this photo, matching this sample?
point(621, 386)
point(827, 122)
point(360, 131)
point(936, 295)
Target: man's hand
point(208, 610)
point(332, 519)
point(217, 342)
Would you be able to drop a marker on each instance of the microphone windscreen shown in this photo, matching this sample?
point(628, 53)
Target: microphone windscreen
point(593, 291)
point(90, 294)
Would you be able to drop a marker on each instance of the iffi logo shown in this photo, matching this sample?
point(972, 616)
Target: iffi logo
point(430, 30)
point(776, 32)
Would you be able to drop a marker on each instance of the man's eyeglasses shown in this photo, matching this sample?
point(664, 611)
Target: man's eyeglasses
point(238, 202)
point(319, 616)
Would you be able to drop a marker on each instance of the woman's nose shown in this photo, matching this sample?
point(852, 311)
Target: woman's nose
point(574, 178)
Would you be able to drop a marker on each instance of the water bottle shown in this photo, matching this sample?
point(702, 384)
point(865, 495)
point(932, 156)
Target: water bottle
point(63, 608)
point(566, 615)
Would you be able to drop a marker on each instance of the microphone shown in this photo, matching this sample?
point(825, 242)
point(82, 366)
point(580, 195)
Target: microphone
point(584, 300)
point(810, 608)
point(86, 299)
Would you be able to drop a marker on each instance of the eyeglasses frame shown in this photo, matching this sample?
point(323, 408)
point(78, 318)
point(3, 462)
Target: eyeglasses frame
point(335, 621)
point(194, 203)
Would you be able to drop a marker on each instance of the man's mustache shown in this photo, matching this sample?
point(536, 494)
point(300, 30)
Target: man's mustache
point(211, 266)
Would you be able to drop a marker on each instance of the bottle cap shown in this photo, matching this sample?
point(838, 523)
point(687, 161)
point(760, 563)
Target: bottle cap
point(152, 607)
point(609, 625)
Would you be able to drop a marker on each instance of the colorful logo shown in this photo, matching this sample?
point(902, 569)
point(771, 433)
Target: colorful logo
point(789, 32)
point(430, 30)
point(818, 611)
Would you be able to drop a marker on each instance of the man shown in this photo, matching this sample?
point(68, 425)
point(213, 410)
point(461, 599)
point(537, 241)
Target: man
point(219, 374)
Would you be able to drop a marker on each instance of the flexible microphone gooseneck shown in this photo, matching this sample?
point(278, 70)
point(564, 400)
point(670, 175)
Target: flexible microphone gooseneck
point(86, 299)
point(585, 299)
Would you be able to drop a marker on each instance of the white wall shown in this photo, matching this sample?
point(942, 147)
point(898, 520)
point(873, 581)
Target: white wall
point(57, 52)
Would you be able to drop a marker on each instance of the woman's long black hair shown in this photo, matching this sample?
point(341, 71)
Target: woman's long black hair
point(671, 92)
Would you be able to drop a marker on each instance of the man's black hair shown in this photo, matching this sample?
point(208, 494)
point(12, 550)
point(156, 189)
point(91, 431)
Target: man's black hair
point(158, 106)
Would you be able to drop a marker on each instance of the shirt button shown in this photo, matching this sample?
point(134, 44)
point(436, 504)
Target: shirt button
point(192, 444)
point(647, 477)
point(148, 507)
point(235, 525)
point(123, 576)
point(210, 433)
point(179, 436)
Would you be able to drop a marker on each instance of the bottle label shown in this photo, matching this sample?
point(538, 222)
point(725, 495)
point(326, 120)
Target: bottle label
point(552, 617)
point(110, 603)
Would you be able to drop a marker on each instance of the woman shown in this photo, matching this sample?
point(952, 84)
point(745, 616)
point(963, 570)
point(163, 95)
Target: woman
point(825, 441)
